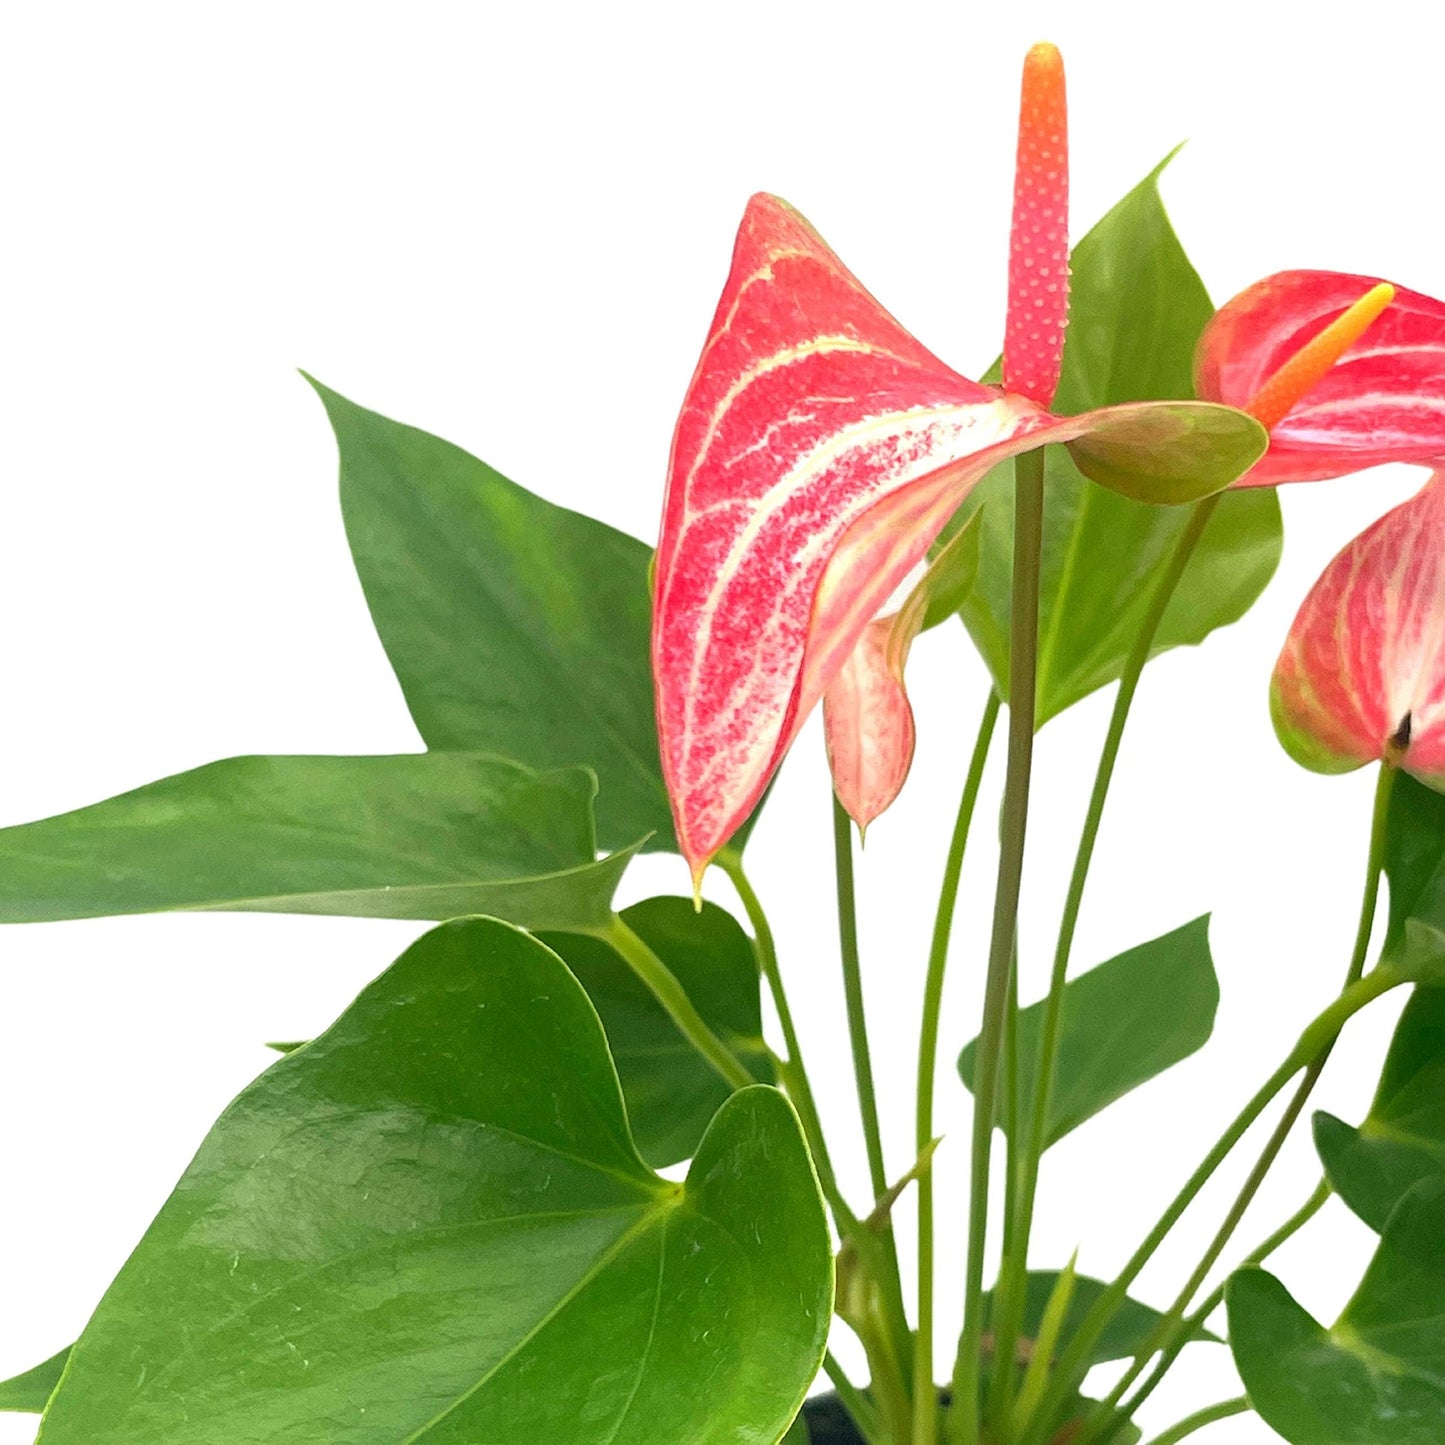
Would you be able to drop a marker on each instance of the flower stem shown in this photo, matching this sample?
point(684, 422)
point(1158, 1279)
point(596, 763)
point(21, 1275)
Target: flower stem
point(894, 1334)
point(1173, 1324)
point(1200, 1419)
point(1013, 1275)
point(1023, 677)
point(880, 1260)
point(853, 993)
point(665, 988)
point(1321, 1030)
point(925, 1406)
point(1200, 1317)
point(794, 1074)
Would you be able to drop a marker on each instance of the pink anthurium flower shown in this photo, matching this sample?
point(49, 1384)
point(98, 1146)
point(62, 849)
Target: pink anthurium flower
point(1362, 675)
point(1384, 399)
point(820, 451)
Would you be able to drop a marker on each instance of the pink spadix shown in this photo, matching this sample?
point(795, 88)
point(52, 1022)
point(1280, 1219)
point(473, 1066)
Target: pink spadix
point(1038, 262)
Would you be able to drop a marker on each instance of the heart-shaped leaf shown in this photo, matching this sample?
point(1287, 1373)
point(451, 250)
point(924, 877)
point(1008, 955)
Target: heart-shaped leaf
point(422, 835)
point(671, 1090)
point(1415, 866)
point(1122, 1023)
point(431, 1224)
point(27, 1393)
point(1138, 308)
point(1402, 1141)
point(1378, 1376)
point(514, 626)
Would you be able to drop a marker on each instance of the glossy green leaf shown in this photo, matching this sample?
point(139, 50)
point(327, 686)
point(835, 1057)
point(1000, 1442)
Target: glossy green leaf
point(1402, 1140)
point(798, 1433)
point(28, 1393)
point(1415, 866)
point(1126, 1332)
point(1122, 1023)
point(671, 1090)
point(420, 835)
point(514, 626)
point(1378, 1376)
point(431, 1225)
point(1137, 308)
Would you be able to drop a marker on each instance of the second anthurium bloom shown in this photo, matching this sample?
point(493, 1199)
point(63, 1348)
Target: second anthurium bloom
point(819, 453)
point(1361, 678)
point(1347, 372)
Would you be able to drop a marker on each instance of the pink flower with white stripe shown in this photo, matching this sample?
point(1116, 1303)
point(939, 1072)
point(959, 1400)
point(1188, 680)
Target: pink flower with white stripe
point(820, 451)
point(1382, 401)
point(1361, 678)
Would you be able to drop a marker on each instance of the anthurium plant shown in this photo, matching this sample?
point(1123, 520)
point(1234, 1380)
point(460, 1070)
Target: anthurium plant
point(557, 1177)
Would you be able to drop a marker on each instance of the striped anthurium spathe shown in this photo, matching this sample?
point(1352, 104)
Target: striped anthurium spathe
point(1361, 678)
point(1382, 401)
point(819, 452)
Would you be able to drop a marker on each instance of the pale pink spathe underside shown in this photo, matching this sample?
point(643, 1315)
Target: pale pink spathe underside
point(868, 725)
point(1383, 401)
point(1362, 673)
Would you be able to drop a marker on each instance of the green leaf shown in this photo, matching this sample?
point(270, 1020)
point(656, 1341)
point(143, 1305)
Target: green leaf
point(1402, 1140)
point(1137, 308)
point(1378, 1376)
point(28, 1393)
point(431, 1225)
point(514, 626)
point(1121, 1024)
point(421, 835)
point(798, 1433)
point(1127, 1331)
point(671, 1090)
point(1415, 865)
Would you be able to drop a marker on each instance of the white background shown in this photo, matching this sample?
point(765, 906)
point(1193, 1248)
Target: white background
point(509, 225)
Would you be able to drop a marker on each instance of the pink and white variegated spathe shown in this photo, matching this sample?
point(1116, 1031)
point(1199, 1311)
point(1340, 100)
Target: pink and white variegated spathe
point(1362, 675)
point(1382, 401)
point(819, 452)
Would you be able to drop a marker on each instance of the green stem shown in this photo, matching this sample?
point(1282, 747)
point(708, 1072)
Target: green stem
point(1000, 1407)
point(1320, 1031)
point(665, 988)
point(1013, 1277)
point(1023, 678)
point(894, 1342)
point(1200, 1419)
point(1200, 1317)
point(853, 993)
point(925, 1403)
point(865, 1417)
point(880, 1260)
point(1173, 1323)
point(794, 1074)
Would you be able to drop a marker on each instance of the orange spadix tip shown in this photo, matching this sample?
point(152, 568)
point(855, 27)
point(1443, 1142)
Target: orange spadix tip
point(1043, 57)
point(1273, 401)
